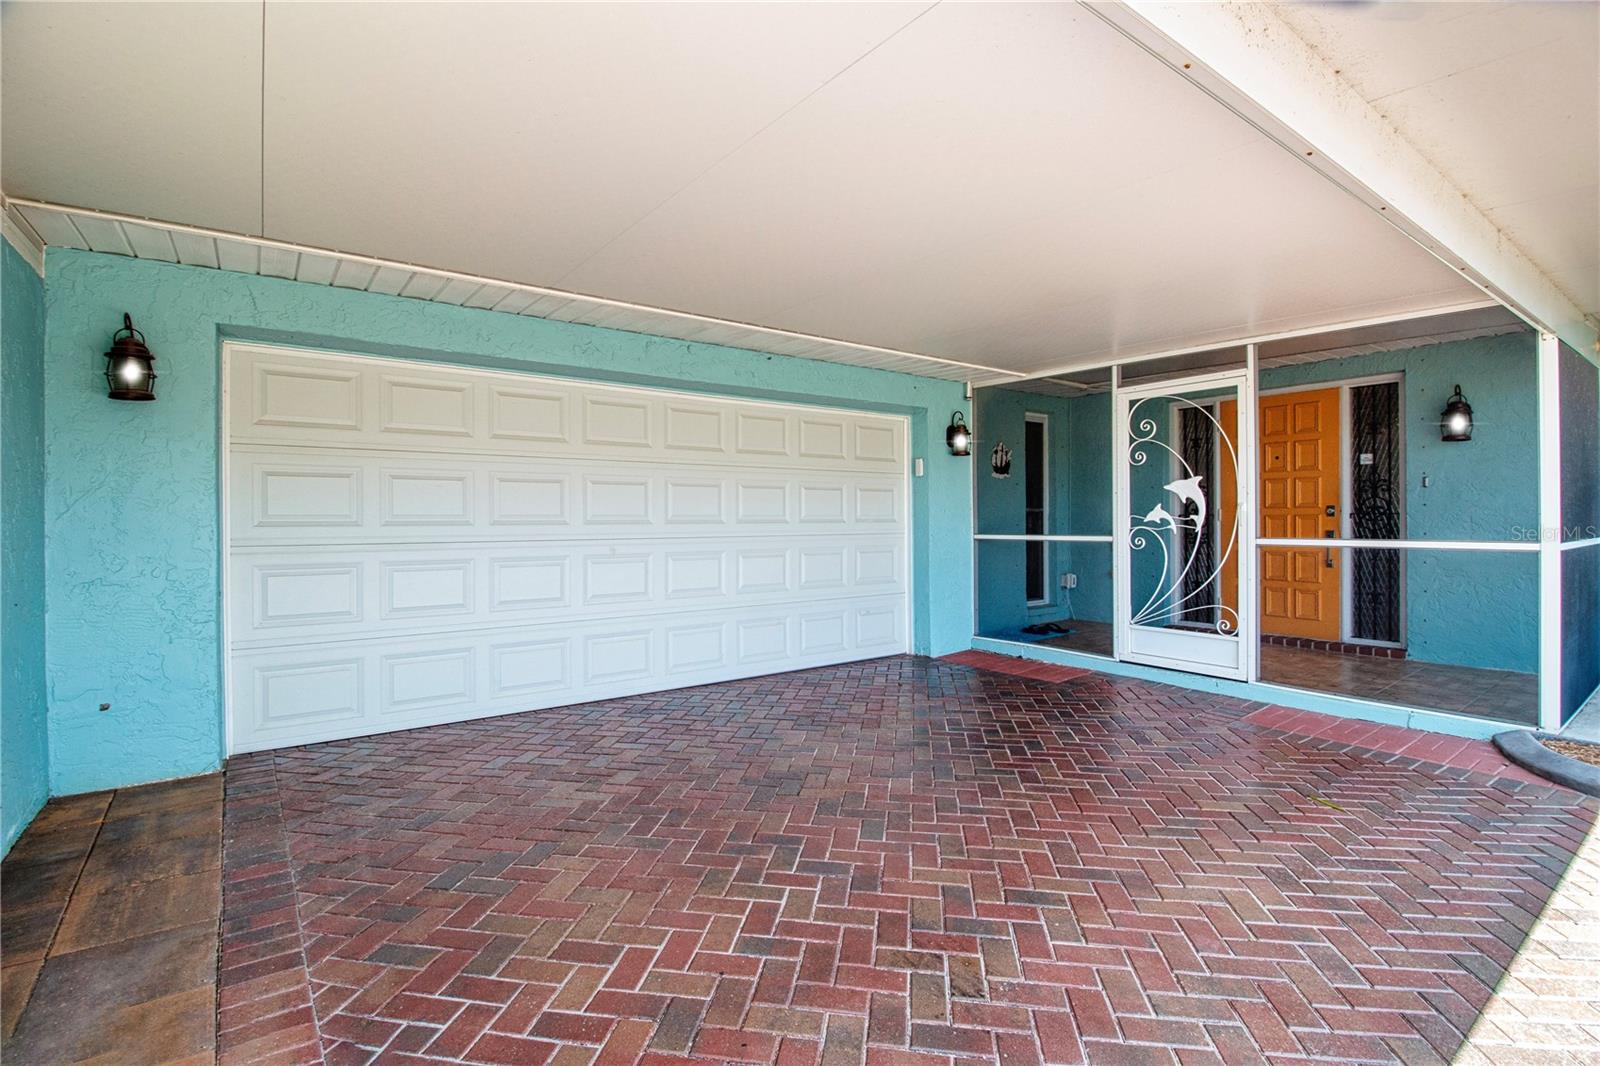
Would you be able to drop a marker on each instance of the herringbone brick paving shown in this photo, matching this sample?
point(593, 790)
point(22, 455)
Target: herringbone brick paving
point(898, 863)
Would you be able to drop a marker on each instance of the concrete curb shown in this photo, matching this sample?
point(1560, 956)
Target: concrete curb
point(1524, 749)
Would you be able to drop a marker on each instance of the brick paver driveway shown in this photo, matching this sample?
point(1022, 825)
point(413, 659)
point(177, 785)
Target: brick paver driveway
point(897, 862)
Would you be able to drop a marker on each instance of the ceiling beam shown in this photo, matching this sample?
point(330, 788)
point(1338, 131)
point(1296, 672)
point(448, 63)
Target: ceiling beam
point(1249, 60)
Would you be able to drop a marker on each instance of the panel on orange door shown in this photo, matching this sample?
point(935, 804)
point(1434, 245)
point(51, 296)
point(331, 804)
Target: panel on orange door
point(1299, 448)
point(1228, 508)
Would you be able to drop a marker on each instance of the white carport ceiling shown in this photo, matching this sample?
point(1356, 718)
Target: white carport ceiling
point(1504, 98)
point(1016, 186)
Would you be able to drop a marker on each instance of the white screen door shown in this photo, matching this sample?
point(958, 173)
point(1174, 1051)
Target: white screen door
point(1183, 595)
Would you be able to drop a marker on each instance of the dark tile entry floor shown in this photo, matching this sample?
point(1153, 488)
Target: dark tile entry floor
point(1502, 695)
point(110, 908)
point(1090, 638)
point(896, 863)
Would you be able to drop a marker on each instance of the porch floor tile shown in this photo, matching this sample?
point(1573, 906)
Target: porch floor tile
point(1503, 695)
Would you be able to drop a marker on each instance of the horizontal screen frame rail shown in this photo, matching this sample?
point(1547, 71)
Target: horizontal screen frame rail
point(1528, 546)
point(1064, 538)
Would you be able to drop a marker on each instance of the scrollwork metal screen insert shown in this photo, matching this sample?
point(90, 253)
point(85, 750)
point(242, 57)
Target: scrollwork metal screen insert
point(1169, 546)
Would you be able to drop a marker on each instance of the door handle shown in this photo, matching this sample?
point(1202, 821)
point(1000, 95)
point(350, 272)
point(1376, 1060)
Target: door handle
point(1327, 553)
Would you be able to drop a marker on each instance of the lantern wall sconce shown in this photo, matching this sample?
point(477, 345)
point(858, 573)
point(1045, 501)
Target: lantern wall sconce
point(957, 437)
point(1455, 421)
point(130, 368)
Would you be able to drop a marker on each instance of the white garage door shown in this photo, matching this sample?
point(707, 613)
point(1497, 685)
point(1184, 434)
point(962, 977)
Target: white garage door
point(410, 544)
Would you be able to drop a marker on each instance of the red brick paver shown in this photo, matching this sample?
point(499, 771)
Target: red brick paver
point(1011, 664)
point(1352, 734)
point(1478, 756)
point(896, 863)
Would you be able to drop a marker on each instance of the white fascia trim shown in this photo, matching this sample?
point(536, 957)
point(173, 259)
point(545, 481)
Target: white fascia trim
point(20, 236)
point(1245, 56)
point(978, 369)
point(1132, 358)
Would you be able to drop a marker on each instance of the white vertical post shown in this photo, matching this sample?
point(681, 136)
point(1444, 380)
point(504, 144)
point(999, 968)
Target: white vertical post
point(1550, 533)
point(1121, 604)
point(1249, 482)
point(972, 504)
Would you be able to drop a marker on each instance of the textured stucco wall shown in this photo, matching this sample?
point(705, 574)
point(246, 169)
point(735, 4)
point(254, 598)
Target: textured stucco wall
point(1000, 415)
point(1089, 447)
point(132, 504)
point(1471, 609)
point(24, 761)
point(1079, 445)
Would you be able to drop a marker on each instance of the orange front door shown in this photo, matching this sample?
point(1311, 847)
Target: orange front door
point(1299, 448)
point(1228, 509)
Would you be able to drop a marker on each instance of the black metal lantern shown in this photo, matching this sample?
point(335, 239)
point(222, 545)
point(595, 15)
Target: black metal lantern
point(1455, 421)
point(957, 437)
point(130, 368)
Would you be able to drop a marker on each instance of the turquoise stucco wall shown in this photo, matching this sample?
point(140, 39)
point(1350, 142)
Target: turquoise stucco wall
point(132, 510)
point(24, 764)
point(1079, 447)
point(1463, 608)
point(1089, 427)
point(999, 415)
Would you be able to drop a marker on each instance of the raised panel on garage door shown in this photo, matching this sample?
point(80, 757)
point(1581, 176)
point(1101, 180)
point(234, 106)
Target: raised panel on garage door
point(410, 544)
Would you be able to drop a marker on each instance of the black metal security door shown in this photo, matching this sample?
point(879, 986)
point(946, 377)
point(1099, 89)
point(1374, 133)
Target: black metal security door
point(1375, 510)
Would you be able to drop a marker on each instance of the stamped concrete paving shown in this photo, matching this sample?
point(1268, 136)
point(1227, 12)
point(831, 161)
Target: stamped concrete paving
point(897, 862)
point(108, 928)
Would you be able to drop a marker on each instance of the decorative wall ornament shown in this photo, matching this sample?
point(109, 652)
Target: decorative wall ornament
point(1000, 461)
point(1181, 595)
